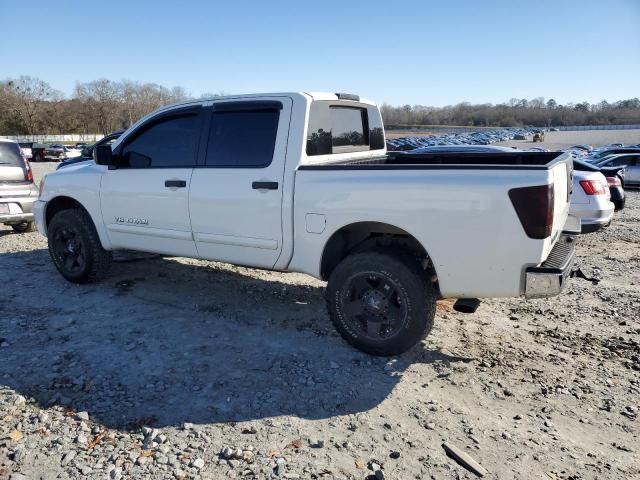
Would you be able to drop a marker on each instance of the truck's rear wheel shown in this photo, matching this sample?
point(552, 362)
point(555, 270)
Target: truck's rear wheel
point(75, 247)
point(380, 303)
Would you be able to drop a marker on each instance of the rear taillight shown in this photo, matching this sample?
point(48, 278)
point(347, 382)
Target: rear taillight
point(593, 187)
point(534, 206)
point(28, 173)
point(614, 182)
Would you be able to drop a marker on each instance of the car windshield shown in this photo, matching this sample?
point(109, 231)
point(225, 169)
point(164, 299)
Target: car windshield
point(10, 154)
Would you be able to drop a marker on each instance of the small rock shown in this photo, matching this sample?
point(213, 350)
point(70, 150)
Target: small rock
point(394, 455)
point(506, 435)
point(248, 456)
point(18, 454)
point(316, 443)
point(227, 453)
point(430, 426)
point(85, 469)
point(84, 416)
point(198, 463)
point(187, 426)
point(67, 457)
point(379, 475)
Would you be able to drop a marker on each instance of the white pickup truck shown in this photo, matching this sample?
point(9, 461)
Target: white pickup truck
point(303, 182)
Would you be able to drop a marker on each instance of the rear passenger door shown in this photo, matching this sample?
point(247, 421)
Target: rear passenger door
point(236, 194)
point(632, 172)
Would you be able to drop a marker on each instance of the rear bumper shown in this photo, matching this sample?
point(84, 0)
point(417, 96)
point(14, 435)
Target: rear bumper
point(599, 220)
point(593, 218)
point(550, 277)
point(16, 218)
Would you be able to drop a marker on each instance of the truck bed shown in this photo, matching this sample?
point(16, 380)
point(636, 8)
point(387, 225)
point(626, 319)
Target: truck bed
point(405, 160)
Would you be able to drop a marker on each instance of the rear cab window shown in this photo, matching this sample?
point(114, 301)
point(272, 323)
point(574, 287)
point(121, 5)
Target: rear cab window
point(10, 155)
point(343, 127)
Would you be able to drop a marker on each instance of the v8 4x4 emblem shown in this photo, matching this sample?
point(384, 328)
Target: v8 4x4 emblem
point(132, 221)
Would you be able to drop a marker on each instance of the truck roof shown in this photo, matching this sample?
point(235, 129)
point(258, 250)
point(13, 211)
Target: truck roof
point(318, 96)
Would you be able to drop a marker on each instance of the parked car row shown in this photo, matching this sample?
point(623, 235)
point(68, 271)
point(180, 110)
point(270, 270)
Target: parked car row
point(86, 153)
point(485, 137)
point(42, 152)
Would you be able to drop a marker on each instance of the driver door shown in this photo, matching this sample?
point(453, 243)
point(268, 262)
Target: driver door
point(145, 199)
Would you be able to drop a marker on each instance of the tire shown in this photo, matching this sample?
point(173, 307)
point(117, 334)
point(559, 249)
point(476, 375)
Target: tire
point(381, 303)
point(75, 248)
point(24, 227)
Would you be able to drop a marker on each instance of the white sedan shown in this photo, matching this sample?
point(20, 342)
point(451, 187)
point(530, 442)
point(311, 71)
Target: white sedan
point(590, 200)
point(71, 152)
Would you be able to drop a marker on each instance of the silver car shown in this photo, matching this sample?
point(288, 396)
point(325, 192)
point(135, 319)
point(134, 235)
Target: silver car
point(630, 162)
point(17, 190)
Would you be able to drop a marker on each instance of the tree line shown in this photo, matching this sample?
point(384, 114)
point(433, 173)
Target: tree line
point(30, 106)
point(516, 113)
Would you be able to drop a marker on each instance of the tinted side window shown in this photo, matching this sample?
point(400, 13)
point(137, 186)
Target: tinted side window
point(170, 141)
point(243, 138)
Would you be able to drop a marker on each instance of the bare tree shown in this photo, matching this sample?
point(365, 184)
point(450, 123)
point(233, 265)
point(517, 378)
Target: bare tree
point(27, 97)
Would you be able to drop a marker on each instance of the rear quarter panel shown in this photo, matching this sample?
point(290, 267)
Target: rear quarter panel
point(462, 217)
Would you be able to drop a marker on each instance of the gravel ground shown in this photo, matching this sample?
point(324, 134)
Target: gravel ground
point(178, 368)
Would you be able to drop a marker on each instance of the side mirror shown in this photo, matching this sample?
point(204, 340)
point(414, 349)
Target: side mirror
point(103, 155)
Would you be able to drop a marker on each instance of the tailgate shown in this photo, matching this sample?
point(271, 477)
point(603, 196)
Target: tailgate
point(562, 178)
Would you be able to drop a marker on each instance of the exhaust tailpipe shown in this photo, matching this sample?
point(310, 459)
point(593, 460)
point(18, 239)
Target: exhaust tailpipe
point(466, 305)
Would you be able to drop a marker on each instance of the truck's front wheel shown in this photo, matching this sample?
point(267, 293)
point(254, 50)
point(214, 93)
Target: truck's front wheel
point(75, 247)
point(380, 303)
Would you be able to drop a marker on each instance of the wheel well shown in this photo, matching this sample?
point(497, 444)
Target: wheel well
point(58, 204)
point(364, 236)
